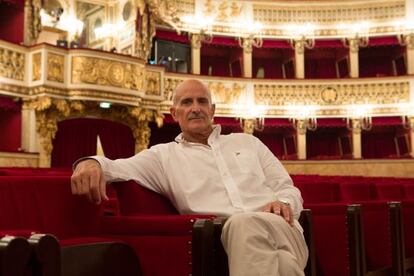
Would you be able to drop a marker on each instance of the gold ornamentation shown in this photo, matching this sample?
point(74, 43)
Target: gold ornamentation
point(107, 73)
point(409, 41)
point(195, 41)
point(169, 86)
point(116, 74)
point(32, 21)
point(55, 67)
point(12, 64)
point(348, 93)
point(248, 126)
point(329, 95)
point(153, 83)
point(37, 72)
point(146, 32)
point(276, 14)
point(225, 94)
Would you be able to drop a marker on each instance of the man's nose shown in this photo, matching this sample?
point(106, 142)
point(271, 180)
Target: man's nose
point(195, 108)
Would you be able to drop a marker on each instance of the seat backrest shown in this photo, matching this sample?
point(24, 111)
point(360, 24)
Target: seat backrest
point(389, 191)
point(135, 199)
point(46, 204)
point(357, 190)
point(319, 191)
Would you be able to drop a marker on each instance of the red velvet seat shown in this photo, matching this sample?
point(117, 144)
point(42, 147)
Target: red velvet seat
point(46, 205)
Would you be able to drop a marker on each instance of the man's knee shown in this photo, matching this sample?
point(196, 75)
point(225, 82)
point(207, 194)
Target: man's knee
point(250, 218)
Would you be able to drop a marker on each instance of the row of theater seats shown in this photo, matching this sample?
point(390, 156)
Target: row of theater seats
point(164, 242)
point(356, 226)
point(361, 225)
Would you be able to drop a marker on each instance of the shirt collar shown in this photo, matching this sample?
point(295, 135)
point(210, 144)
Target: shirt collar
point(213, 135)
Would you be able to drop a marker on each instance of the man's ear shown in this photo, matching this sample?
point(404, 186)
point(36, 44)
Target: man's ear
point(213, 109)
point(173, 113)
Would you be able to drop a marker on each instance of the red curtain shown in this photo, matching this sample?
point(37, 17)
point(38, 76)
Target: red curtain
point(377, 61)
point(323, 68)
point(378, 143)
point(272, 67)
point(274, 141)
point(12, 21)
point(10, 125)
point(324, 142)
point(77, 138)
point(171, 36)
point(117, 139)
point(220, 66)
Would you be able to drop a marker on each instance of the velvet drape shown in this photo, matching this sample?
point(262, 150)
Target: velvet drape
point(77, 138)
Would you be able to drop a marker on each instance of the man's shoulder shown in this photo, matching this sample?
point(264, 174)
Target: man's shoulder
point(163, 146)
point(239, 136)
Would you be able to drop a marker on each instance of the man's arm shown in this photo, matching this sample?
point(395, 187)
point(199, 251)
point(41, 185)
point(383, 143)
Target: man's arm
point(91, 175)
point(288, 201)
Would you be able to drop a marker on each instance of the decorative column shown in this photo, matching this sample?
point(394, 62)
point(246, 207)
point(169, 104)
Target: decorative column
point(247, 45)
point(32, 23)
point(409, 41)
point(411, 120)
point(248, 125)
point(299, 58)
point(139, 119)
point(195, 54)
point(356, 138)
point(301, 139)
point(354, 57)
point(29, 135)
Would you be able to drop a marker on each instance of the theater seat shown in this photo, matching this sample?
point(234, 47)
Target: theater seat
point(46, 205)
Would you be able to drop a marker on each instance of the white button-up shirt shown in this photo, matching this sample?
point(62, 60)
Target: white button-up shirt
point(234, 173)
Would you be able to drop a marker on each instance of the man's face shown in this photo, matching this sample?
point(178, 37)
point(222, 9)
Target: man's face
point(193, 109)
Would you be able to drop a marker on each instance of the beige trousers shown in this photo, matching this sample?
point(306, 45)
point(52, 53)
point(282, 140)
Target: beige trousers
point(263, 244)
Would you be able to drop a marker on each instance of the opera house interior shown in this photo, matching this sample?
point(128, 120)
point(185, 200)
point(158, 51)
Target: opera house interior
point(327, 86)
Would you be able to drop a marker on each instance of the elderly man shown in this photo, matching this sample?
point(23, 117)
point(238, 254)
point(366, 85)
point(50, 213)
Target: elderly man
point(205, 172)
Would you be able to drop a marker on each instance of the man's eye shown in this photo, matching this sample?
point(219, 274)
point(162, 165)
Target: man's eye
point(186, 102)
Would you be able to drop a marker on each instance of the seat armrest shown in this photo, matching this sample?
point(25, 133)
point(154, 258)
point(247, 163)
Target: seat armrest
point(305, 221)
point(15, 255)
point(148, 225)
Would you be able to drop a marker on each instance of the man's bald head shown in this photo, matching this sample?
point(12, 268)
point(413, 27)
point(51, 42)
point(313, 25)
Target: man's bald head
point(189, 85)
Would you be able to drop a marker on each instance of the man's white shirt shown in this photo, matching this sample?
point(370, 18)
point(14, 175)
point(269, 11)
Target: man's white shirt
point(235, 173)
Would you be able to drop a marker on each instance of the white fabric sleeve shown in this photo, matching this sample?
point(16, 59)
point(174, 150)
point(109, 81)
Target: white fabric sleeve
point(278, 179)
point(144, 167)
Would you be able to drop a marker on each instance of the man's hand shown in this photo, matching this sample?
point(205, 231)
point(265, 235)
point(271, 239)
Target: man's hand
point(88, 179)
point(281, 209)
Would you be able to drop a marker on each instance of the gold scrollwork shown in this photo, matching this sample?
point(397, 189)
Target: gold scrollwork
point(153, 83)
point(371, 93)
point(329, 95)
point(37, 72)
point(55, 67)
point(169, 86)
point(11, 64)
point(107, 73)
point(225, 94)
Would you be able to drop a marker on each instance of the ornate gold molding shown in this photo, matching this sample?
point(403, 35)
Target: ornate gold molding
point(153, 83)
point(12, 64)
point(37, 67)
point(50, 110)
point(55, 67)
point(339, 94)
point(332, 13)
point(104, 72)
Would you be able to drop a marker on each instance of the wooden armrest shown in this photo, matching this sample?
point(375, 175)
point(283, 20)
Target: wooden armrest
point(15, 255)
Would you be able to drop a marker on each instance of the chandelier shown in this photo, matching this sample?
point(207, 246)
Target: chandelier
point(356, 34)
point(359, 116)
point(405, 31)
point(303, 116)
point(407, 115)
point(250, 115)
point(303, 34)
